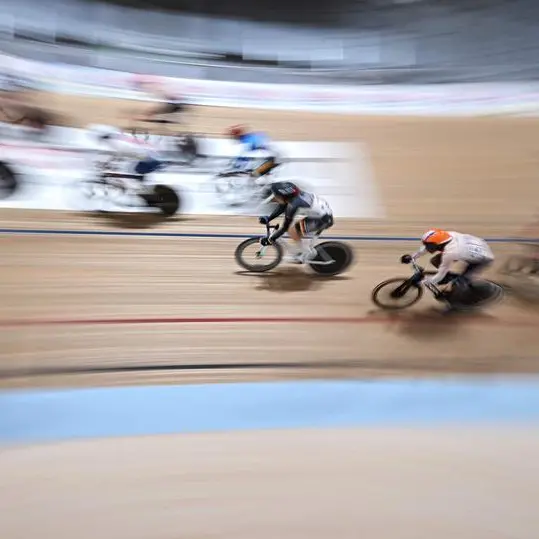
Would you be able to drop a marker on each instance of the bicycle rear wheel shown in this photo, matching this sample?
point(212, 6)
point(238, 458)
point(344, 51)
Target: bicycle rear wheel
point(479, 294)
point(9, 181)
point(332, 258)
point(165, 199)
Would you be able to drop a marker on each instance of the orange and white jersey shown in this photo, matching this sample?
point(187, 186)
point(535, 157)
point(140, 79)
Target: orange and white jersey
point(461, 248)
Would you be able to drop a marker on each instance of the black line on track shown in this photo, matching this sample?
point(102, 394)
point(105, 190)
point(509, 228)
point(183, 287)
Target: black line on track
point(464, 365)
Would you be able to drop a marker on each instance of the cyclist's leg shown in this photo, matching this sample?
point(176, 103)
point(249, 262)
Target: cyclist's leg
point(265, 167)
point(142, 168)
point(473, 269)
point(309, 227)
point(147, 166)
point(436, 261)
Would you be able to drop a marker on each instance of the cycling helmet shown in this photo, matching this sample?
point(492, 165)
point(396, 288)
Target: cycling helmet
point(235, 131)
point(435, 238)
point(102, 132)
point(284, 190)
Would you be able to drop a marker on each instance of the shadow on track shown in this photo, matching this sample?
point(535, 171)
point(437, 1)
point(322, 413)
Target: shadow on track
point(433, 323)
point(132, 220)
point(290, 279)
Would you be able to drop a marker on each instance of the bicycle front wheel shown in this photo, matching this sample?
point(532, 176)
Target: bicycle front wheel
point(254, 257)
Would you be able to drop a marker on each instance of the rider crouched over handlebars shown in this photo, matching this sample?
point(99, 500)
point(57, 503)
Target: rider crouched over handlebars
point(452, 247)
point(141, 158)
point(292, 201)
point(250, 142)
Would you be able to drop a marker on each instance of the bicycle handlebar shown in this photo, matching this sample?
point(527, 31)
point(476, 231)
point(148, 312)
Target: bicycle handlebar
point(269, 228)
point(420, 271)
point(417, 267)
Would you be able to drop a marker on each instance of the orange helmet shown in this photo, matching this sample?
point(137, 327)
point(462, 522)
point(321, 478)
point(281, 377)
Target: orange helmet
point(235, 131)
point(436, 237)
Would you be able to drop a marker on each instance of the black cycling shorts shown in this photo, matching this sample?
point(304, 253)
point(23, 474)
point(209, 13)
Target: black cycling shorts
point(314, 225)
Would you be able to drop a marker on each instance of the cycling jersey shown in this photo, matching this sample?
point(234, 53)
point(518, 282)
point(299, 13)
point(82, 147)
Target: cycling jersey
point(255, 141)
point(461, 248)
point(306, 204)
point(128, 146)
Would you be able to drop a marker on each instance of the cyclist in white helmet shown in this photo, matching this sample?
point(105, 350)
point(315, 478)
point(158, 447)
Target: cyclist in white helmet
point(142, 158)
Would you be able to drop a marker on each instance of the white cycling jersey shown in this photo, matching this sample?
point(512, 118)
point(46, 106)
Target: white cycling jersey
point(311, 205)
point(461, 248)
point(130, 146)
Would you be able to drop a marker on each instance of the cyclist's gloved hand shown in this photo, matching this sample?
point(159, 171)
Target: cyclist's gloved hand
point(265, 241)
point(264, 220)
point(406, 259)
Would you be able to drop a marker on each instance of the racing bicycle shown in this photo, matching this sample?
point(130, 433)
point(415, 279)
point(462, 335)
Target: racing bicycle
point(237, 187)
point(110, 185)
point(183, 147)
point(331, 258)
point(400, 293)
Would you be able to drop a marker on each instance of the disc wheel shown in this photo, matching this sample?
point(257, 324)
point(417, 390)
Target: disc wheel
point(335, 257)
point(165, 199)
point(481, 293)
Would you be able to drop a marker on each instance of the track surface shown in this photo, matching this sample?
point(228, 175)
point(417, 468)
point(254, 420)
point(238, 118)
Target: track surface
point(113, 309)
point(399, 483)
point(122, 304)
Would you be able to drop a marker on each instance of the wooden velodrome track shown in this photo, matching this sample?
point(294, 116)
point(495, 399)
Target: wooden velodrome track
point(135, 295)
point(477, 176)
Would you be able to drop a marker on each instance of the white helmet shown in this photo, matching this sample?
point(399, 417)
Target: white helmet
point(103, 131)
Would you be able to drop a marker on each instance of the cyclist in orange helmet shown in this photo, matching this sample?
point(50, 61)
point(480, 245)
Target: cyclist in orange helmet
point(452, 247)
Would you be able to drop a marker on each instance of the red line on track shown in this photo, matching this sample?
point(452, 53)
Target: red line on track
point(260, 320)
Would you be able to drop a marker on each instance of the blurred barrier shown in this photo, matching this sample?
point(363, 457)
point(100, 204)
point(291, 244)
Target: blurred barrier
point(440, 100)
point(51, 175)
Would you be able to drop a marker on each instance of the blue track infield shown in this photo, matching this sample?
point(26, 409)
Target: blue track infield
point(38, 416)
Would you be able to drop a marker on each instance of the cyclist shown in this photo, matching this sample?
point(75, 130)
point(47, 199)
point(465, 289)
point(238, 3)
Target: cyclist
point(253, 142)
point(292, 201)
point(169, 106)
point(452, 247)
point(144, 157)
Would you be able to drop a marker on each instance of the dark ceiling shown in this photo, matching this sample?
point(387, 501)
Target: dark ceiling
point(319, 12)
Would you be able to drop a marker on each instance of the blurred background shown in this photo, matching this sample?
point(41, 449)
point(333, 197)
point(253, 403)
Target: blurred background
point(349, 41)
point(407, 115)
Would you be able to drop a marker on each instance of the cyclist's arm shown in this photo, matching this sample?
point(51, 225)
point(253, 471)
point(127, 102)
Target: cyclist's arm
point(290, 212)
point(422, 250)
point(279, 210)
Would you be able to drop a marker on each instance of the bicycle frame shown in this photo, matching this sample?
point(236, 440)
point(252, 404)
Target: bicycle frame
point(418, 278)
point(281, 241)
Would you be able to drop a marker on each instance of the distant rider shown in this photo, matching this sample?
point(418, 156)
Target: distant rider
point(453, 247)
point(254, 142)
point(292, 201)
point(170, 105)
